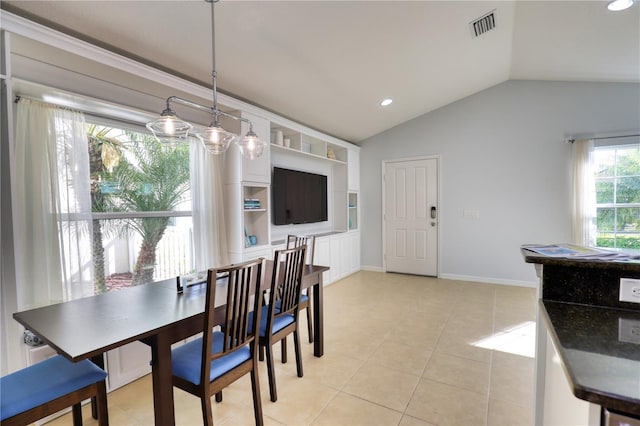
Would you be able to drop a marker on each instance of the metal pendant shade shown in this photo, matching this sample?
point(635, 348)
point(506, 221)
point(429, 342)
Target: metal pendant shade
point(169, 128)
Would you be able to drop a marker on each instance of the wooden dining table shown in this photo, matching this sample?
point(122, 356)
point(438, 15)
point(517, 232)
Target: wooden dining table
point(155, 314)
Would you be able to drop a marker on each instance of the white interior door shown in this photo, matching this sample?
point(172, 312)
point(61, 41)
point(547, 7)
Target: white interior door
point(411, 216)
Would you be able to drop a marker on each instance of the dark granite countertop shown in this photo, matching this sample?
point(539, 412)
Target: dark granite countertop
point(600, 351)
point(596, 335)
point(630, 265)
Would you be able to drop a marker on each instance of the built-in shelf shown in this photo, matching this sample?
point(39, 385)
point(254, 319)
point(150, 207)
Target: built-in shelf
point(352, 211)
point(255, 220)
point(294, 141)
point(250, 197)
point(300, 152)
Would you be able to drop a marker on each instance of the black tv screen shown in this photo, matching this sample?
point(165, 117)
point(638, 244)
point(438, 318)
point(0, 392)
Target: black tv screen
point(298, 197)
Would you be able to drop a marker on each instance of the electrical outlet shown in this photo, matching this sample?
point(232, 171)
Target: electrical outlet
point(629, 290)
point(629, 331)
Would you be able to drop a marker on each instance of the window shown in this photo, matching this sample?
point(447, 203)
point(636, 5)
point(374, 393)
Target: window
point(617, 180)
point(142, 228)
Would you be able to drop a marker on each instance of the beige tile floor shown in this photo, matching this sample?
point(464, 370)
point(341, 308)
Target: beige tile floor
point(399, 350)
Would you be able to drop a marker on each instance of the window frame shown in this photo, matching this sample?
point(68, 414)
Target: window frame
point(141, 129)
point(613, 145)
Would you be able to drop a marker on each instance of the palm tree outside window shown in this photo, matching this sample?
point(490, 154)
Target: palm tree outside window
point(141, 208)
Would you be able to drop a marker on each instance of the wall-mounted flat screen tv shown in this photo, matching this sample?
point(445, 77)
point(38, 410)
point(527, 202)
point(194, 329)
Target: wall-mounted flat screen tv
point(298, 197)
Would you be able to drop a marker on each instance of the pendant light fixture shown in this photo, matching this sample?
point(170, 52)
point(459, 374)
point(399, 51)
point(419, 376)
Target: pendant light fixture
point(215, 139)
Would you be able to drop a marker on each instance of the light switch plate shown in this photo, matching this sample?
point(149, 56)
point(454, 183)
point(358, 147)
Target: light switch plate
point(629, 290)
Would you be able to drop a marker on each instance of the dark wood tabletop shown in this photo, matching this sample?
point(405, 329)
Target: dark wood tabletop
point(83, 328)
point(155, 314)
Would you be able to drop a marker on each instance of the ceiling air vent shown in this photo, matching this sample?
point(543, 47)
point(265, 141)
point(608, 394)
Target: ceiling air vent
point(483, 24)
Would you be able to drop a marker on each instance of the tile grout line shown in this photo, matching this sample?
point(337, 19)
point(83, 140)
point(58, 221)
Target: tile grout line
point(493, 330)
point(424, 369)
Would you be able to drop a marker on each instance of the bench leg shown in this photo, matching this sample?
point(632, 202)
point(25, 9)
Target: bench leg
point(77, 414)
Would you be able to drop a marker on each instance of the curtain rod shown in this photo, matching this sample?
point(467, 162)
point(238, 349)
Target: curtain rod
point(570, 140)
point(139, 125)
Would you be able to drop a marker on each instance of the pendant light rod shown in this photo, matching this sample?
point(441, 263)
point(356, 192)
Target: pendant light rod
point(210, 110)
point(214, 74)
point(215, 139)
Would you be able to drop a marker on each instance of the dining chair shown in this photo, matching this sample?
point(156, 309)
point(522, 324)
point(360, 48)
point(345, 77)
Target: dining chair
point(305, 299)
point(49, 386)
point(280, 315)
point(208, 364)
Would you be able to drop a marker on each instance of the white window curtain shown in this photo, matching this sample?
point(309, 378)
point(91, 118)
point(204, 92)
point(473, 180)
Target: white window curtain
point(584, 194)
point(209, 230)
point(51, 205)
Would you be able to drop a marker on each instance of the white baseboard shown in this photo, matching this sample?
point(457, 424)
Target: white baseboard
point(485, 280)
point(371, 268)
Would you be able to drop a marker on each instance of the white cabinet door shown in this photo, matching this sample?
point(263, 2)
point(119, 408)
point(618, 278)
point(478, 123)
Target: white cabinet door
point(353, 164)
point(345, 255)
point(323, 257)
point(127, 363)
point(561, 407)
point(354, 250)
point(341, 253)
point(36, 354)
point(335, 258)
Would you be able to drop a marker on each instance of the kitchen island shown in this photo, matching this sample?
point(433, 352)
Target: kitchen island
point(586, 338)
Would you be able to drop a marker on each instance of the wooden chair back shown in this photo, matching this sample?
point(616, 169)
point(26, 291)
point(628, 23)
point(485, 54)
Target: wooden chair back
point(243, 297)
point(302, 240)
point(286, 283)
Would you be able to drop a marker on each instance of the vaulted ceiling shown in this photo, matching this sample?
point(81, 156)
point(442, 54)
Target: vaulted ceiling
point(328, 64)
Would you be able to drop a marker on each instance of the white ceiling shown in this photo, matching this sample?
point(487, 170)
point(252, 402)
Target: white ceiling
point(328, 64)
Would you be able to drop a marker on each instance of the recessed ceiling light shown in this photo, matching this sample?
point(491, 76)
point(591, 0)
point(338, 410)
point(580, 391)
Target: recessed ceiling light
point(386, 102)
point(618, 5)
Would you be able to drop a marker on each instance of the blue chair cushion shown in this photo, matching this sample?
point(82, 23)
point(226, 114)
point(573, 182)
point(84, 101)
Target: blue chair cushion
point(278, 324)
point(186, 360)
point(44, 382)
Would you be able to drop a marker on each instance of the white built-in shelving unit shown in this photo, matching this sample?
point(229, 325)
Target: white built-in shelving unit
point(353, 211)
point(300, 143)
point(338, 239)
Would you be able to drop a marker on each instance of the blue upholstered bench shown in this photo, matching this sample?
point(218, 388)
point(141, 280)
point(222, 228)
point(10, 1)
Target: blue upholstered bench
point(49, 386)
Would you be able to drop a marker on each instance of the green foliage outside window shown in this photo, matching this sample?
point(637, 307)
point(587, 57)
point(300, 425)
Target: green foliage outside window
point(618, 197)
point(133, 172)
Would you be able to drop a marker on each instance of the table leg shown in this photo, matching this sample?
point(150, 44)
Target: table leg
point(99, 361)
point(163, 408)
point(318, 321)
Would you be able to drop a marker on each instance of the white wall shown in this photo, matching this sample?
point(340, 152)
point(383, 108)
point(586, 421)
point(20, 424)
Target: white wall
point(502, 154)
